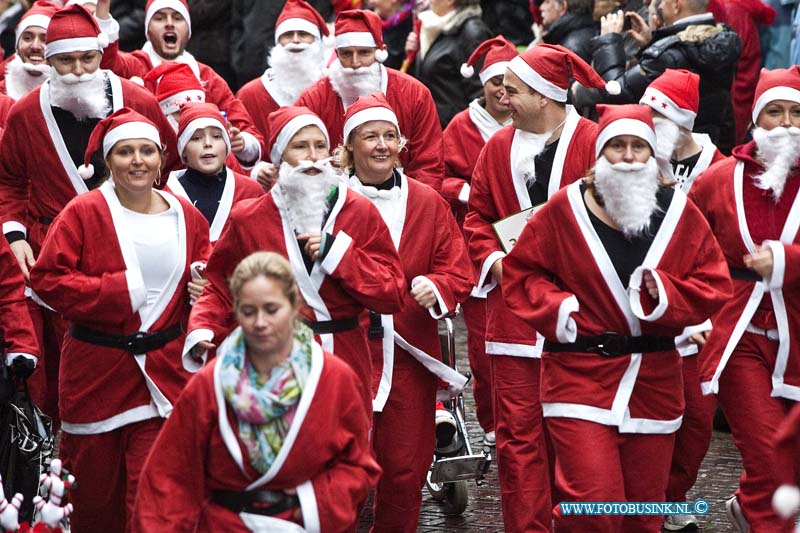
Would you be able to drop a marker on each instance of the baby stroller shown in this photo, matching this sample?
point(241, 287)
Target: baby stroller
point(456, 464)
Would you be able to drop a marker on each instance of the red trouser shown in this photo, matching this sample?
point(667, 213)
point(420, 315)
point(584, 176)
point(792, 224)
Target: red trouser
point(522, 458)
point(50, 328)
point(754, 416)
point(475, 319)
point(694, 436)
point(597, 463)
point(403, 439)
point(106, 467)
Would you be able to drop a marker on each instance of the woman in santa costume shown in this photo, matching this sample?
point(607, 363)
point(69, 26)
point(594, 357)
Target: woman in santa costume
point(116, 263)
point(208, 184)
point(271, 438)
point(752, 359)
point(406, 352)
point(339, 248)
point(464, 138)
point(611, 379)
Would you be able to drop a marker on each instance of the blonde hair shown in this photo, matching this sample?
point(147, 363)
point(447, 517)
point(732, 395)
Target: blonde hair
point(343, 157)
point(270, 265)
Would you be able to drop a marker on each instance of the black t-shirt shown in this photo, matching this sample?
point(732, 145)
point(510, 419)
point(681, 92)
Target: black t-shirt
point(625, 253)
point(683, 169)
point(204, 190)
point(543, 165)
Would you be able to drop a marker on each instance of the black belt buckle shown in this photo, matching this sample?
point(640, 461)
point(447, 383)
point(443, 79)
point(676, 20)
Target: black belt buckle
point(135, 343)
point(610, 344)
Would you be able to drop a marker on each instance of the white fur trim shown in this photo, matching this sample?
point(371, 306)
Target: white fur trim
point(110, 27)
point(467, 71)
point(776, 93)
point(199, 124)
point(613, 87)
point(463, 194)
point(290, 129)
point(103, 40)
point(486, 280)
point(308, 506)
point(86, 171)
point(73, 44)
point(13, 225)
point(136, 289)
point(341, 244)
point(368, 115)
point(356, 38)
point(297, 24)
point(512, 349)
point(786, 501)
point(130, 130)
point(173, 103)
point(535, 80)
point(634, 295)
point(443, 309)
point(495, 69)
point(137, 414)
point(625, 126)
point(381, 55)
point(39, 20)
point(190, 364)
point(251, 154)
point(13, 355)
point(682, 344)
point(257, 168)
point(775, 282)
point(657, 100)
point(566, 329)
point(158, 5)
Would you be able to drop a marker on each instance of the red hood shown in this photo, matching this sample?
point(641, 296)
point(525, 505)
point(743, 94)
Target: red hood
point(760, 12)
point(746, 153)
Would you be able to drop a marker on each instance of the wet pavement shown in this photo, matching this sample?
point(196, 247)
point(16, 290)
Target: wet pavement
point(716, 482)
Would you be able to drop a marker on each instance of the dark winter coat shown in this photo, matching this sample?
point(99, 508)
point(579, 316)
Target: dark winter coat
point(574, 32)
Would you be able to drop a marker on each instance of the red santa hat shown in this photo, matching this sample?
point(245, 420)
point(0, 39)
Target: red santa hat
point(81, 2)
point(285, 123)
point(357, 27)
point(154, 6)
point(196, 116)
point(630, 119)
point(122, 125)
point(366, 109)
point(496, 53)
point(73, 29)
point(547, 69)
point(174, 85)
point(676, 95)
point(777, 84)
point(298, 15)
point(38, 15)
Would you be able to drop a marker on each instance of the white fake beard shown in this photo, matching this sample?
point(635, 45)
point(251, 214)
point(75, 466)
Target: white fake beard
point(779, 151)
point(350, 83)
point(628, 191)
point(84, 96)
point(532, 145)
point(304, 195)
point(667, 136)
point(294, 72)
point(20, 80)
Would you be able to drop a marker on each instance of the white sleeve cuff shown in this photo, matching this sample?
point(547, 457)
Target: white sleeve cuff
point(463, 195)
point(257, 168)
point(682, 344)
point(443, 310)
point(634, 289)
point(136, 289)
point(13, 355)
point(566, 329)
point(341, 244)
point(190, 363)
point(13, 225)
point(778, 265)
point(252, 150)
point(486, 281)
point(308, 506)
point(110, 27)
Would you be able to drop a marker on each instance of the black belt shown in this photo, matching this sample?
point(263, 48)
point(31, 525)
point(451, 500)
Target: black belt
point(139, 342)
point(263, 502)
point(375, 326)
point(744, 275)
point(613, 344)
point(322, 327)
point(44, 220)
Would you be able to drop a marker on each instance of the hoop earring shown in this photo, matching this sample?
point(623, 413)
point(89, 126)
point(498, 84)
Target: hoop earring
point(157, 181)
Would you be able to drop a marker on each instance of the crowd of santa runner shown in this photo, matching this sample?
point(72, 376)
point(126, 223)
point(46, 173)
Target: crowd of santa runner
point(229, 304)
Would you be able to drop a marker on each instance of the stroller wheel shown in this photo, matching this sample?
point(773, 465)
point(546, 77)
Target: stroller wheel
point(457, 497)
point(437, 490)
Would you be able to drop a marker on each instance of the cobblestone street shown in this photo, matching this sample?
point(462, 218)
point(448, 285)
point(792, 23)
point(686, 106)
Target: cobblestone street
point(717, 480)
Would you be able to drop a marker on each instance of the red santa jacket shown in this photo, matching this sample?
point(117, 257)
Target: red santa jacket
point(361, 270)
point(37, 175)
point(560, 279)
point(498, 191)
point(140, 62)
point(325, 457)
point(258, 101)
point(237, 188)
point(82, 272)
point(5, 108)
point(416, 114)
point(15, 322)
point(740, 215)
point(422, 229)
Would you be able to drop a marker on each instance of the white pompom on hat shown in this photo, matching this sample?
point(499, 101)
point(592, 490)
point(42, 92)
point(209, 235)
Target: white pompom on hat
point(496, 54)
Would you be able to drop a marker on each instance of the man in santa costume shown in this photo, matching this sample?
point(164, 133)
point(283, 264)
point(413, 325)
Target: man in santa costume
point(43, 145)
point(611, 378)
point(296, 61)
point(358, 71)
point(168, 28)
point(437, 276)
point(28, 68)
point(752, 360)
point(464, 138)
point(347, 267)
point(548, 146)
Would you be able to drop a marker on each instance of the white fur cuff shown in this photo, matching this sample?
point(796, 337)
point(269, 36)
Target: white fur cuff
point(566, 329)
point(335, 255)
point(190, 363)
point(443, 310)
point(775, 281)
point(634, 295)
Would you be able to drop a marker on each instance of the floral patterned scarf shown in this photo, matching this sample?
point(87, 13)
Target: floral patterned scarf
point(265, 409)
